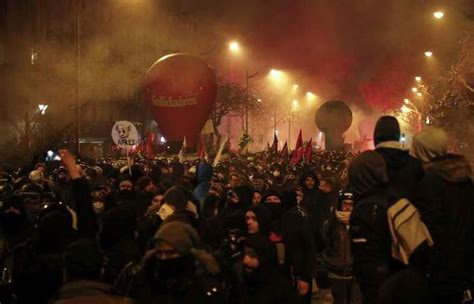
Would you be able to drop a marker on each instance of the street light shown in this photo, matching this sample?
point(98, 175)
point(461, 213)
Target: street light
point(414, 90)
point(406, 101)
point(418, 78)
point(42, 108)
point(438, 14)
point(234, 47)
point(419, 94)
point(428, 54)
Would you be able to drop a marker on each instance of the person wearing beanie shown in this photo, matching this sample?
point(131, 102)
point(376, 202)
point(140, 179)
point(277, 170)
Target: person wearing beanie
point(404, 171)
point(175, 270)
point(262, 284)
point(83, 262)
point(370, 235)
point(444, 198)
point(146, 192)
point(344, 288)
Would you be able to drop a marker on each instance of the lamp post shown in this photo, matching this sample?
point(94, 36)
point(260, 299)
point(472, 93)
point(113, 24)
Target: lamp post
point(77, 107)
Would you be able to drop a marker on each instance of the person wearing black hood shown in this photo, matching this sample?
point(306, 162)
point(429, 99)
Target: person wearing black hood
point(83, 262)
point(370, 234)
point(262, 284)
point(14, 224)
point(404, 171)
point(444, 198)
point(36, 265)
point(117, 240)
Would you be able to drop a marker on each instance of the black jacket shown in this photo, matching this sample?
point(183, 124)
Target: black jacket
point(299, 244)
point(445, 200)
point(404, 171)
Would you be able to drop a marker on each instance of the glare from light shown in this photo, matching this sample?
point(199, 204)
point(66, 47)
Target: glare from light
point(259, 100)
point(234, 47)
point(438, 14)
point(295, 105)
point(428, 54)
point(414, 90)
point(295, 87)
point(405, 109)
point(418, 78)
point(406, 101)
point(428, 121)
point(50, 153)
point(162, 140)
point(419, 94)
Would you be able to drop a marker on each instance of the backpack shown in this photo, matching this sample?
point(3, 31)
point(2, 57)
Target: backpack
point(407, 229)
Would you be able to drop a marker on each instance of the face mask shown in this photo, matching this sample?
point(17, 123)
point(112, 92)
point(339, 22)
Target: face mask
point(165, 211)
point(276, 210)
point(126, 194)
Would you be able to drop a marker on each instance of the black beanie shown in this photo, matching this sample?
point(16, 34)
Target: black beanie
point(386, 129)
point(176, 197)
point(83, 259)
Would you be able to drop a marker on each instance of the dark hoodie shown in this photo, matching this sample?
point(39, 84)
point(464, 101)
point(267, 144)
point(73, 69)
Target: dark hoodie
point(445, 199)
point(264, 219)
point(371, 241)
point(404, 171)
point(264, 284)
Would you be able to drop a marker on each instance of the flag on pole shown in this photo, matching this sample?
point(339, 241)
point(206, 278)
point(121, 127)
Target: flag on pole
point(201, 147)
point(218, 157)
point(308, 150)
point(274, 147)
point(182, 151)
point(299, 150)
point(284, 151)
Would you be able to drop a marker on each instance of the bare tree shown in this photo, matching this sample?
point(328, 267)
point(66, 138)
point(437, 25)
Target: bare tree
point(451, 98)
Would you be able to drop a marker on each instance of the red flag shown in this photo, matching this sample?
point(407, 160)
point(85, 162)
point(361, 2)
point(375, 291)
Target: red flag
point(274, 147)
point(299, 150)
point(308, 150)
point(284, 152)
point(201, 148)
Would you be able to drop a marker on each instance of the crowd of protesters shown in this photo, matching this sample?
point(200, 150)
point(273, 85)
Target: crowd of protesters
point(252, 229)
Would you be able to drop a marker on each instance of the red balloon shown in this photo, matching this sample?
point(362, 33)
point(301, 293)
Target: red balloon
point(180, 91)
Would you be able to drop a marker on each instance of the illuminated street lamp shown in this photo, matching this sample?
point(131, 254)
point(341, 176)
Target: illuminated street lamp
point(42, 108)
point(414, 90)
point(234, 47)
point(438, 14)
point(418, 78)
point(428, 54)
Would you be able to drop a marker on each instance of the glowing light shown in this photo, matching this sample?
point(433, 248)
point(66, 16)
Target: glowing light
point(276, 132)
point(50, 153)
point(438, 14)
point(259, 100)
point(418, 78)
point(234, 47)
point(276, 74)
point(162, 140)
point(428, 54)
point(295, 105)
point(419, 94)
point(405, 109)
point(428, 121)
point(42, 108)
point(295, 87)
point(414, 90)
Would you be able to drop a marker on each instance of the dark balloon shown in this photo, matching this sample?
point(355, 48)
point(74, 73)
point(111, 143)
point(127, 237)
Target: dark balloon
point(180, 91)
point(333, 118)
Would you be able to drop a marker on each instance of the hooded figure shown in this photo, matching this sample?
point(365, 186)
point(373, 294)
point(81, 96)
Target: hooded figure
point(404, 171)
point(175, 270)
point(445, 199)
point(204, 176)
point(37, 265)
point(371, 239)
point(117, 239)
point(262, 283)
point(259, 220)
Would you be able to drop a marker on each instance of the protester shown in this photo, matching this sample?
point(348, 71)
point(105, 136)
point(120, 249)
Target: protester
point(445, 199)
